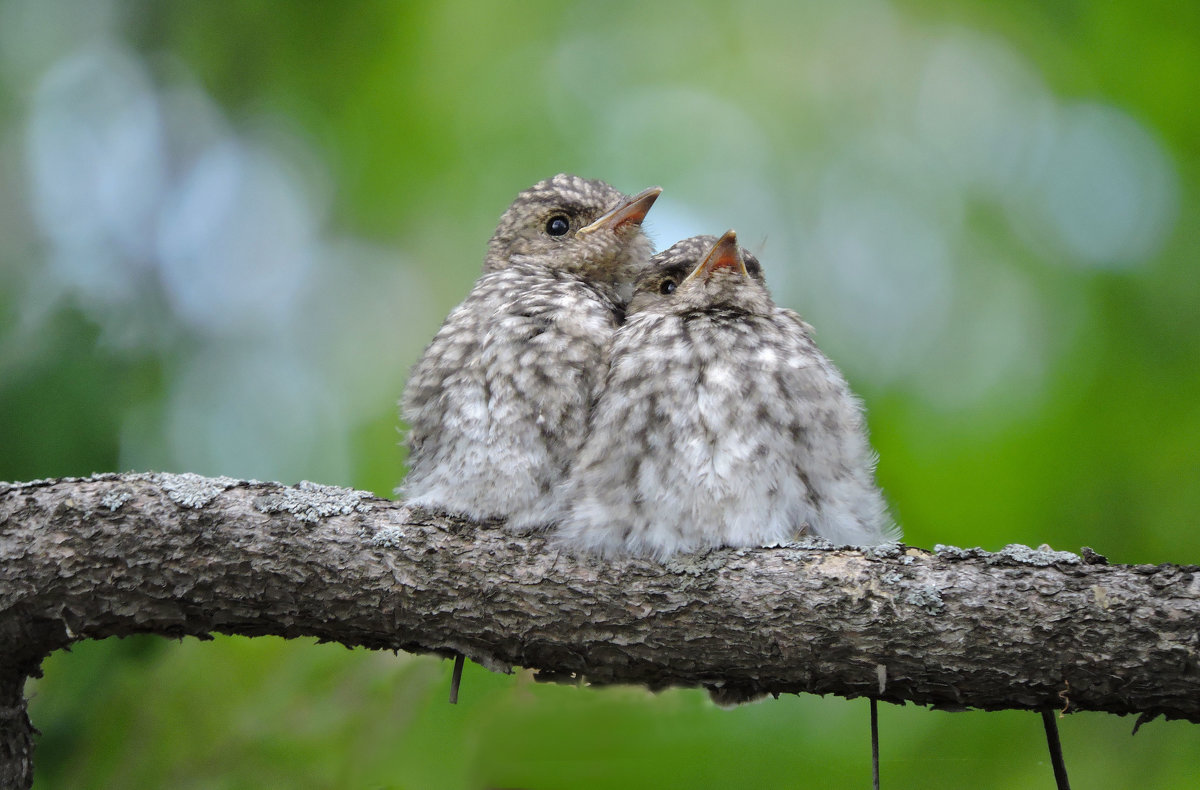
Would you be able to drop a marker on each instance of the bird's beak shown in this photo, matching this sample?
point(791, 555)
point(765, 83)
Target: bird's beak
point(629, 213)
point(724, 253)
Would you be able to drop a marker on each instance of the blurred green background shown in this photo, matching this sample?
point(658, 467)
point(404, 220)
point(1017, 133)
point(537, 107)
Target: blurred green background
point(228, 229)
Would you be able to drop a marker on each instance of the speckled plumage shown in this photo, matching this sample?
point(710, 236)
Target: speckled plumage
point(497, 406)
point(720, 423)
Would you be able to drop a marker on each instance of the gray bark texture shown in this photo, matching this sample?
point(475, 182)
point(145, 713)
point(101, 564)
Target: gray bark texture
point(954, 628)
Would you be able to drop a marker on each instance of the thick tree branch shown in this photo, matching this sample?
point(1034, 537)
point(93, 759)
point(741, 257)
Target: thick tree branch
point(185, 555)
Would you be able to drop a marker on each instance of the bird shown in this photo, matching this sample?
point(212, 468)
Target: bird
point(720, 423)
point(497, 405)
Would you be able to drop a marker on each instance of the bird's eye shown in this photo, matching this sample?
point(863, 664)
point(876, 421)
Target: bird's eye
point(558, 225)
point(667, 287)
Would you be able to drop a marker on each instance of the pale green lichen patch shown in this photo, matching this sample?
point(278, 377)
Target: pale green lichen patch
point(114, 499)
point(928, 598)
point(42, 482)
point(312, 501)
point(1042, 556)
point(388, 537)
point(1014, 553)
point(192, 490)
point(883, 551)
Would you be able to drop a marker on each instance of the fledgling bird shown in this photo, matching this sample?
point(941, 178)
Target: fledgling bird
point(498, 404)
point(720, 422)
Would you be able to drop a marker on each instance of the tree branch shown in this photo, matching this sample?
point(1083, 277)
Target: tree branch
point(186, 555)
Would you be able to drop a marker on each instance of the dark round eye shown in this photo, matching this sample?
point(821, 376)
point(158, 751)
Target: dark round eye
point(558, 225)
point(667, 287)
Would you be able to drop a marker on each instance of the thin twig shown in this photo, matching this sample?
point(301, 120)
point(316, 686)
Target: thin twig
point(1056, 755)
point(874, 744)
point(456, 678)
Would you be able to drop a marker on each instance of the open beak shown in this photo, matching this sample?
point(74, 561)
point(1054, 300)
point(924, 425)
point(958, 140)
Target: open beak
point(724, 253)
point(629, 213)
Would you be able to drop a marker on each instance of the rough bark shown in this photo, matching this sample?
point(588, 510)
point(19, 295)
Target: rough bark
point(16, 733)
point(186, 555)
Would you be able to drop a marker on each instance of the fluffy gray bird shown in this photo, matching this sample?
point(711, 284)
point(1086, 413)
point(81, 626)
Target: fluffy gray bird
point(498, 404)
point(720, 422)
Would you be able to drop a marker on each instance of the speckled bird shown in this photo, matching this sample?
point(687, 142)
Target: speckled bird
point(720, 422)
point(497, 406)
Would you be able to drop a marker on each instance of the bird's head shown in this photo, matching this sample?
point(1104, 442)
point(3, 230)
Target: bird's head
point(578, 225)
point(702, 273)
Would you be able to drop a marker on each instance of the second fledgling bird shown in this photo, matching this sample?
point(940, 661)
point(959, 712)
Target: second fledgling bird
point(497, 406)
point(720, 422)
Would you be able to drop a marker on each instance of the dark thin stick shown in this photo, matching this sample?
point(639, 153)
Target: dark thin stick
point(874, 744)
point(456, 678)
point(1056, 755)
